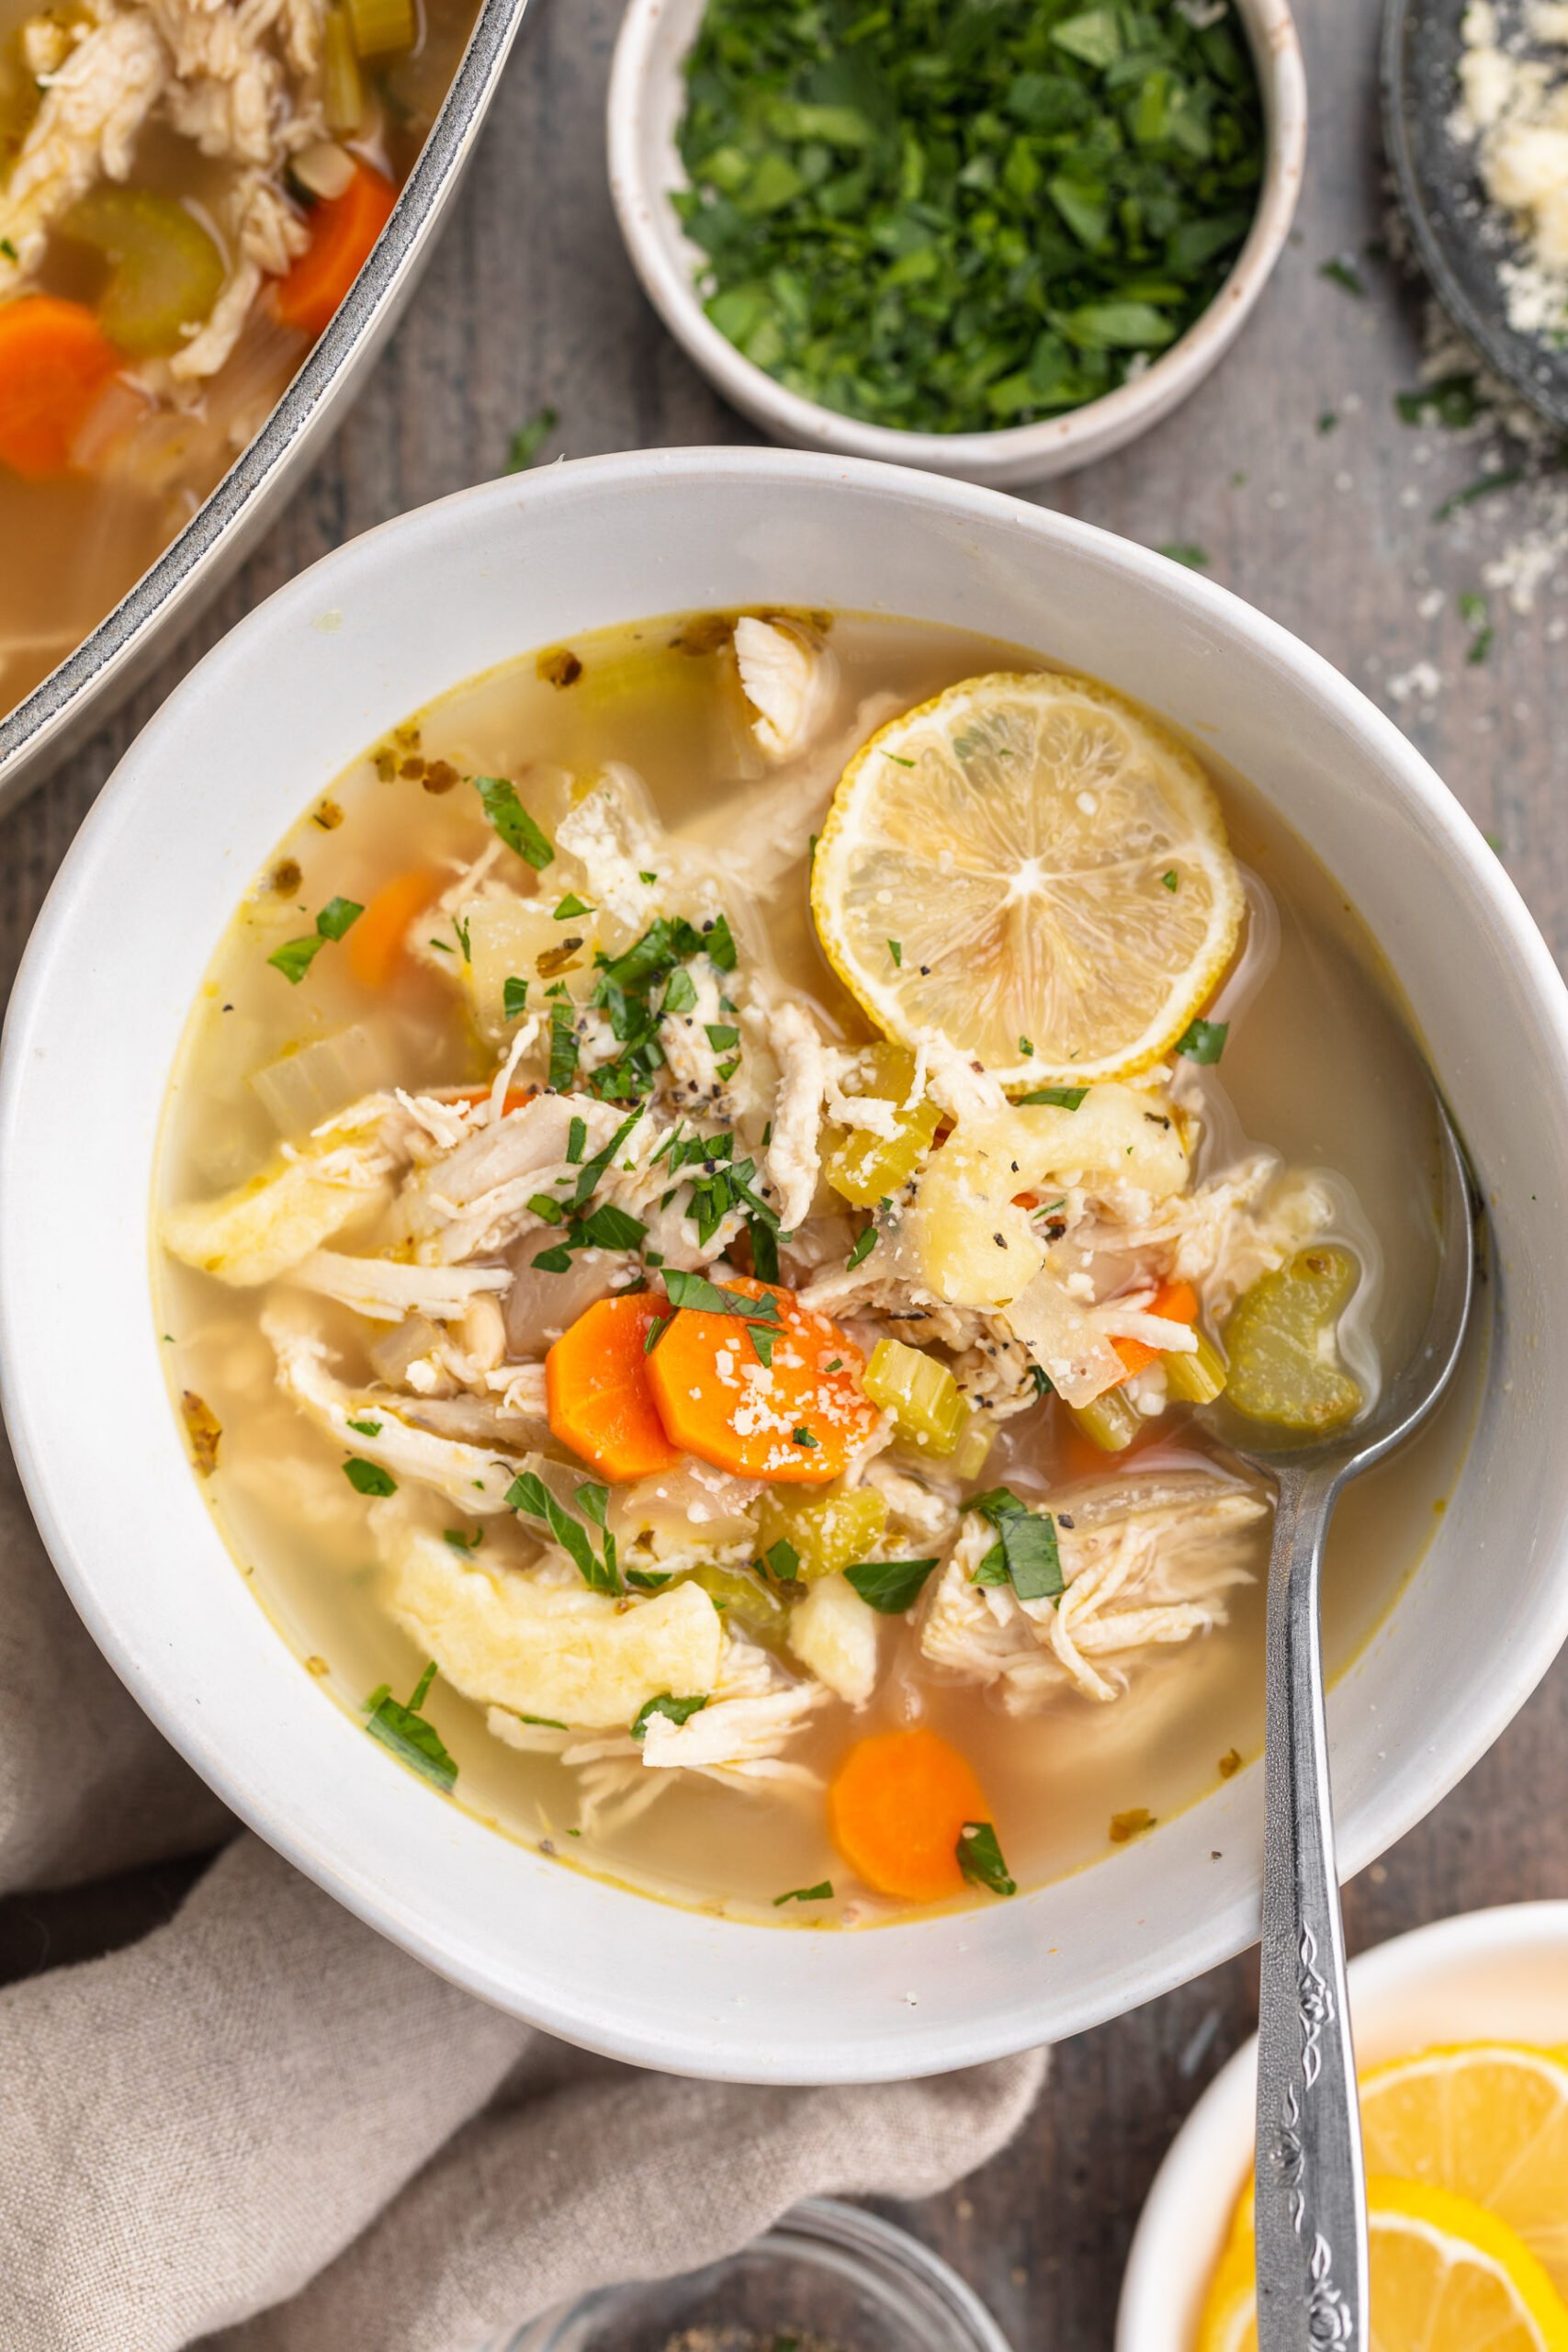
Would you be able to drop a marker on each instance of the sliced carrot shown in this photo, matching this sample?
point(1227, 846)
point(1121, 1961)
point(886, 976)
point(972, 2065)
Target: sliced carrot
point(343, 230)
point(896, 1807)
point(597, 1386)
point(54, 361)
point(799, 1419)
point(375, 944)
point(513, 1099)
point(1178, 1302)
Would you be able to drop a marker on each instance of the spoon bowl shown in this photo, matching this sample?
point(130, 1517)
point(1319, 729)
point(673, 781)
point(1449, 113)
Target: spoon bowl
point(1311, 2193)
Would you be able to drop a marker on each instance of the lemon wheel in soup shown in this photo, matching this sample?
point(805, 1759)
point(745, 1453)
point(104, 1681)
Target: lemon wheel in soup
point(1030, 869)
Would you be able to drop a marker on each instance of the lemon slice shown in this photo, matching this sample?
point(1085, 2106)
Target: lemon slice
point(1488, 2121)
point(1030, 869)
point(1446, 2276)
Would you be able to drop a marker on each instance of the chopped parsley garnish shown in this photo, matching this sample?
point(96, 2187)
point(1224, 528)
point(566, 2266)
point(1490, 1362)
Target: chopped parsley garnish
point(598, 1569)
point(890, 1585)
point(1204, 1041)
point(764, 1248)
point(1343, 274)
point(898, 761)
point(564, 1045)
point(368, 1477)
point(680, 994)
point(802, 1436)
point(1183, 551)
point(406, 1732)
point(678, 1711)
point(1060, 1098)
point(513, 822)
point(949, 219)
point(1505, 479)
point(1453, 401)
point(367, 1429)
point(609, 1227)
point(572, 905)
point(896, 949)
point(866, 1242)
point(821, 1894)
point(781, 1560)
point(1025, 1556)
point(461, 1542)
point(720, 1035)
point(650, 1579)
point(295, 957)
point(695, 1290)
point(980, 1858)
point(528, 440)
point(1472, 611)
point(576, 1140)
point(544, 1206)
point(1171, 880)
point(1026, 1048)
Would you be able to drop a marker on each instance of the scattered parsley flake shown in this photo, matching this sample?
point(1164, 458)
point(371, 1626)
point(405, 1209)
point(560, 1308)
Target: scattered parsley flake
point(1345, 274)
point(528, 440)
point(513, 822)
point(408, 1735)
point(1196, 558)
point(678, 1711)
point(890, 1587)
point(980, 1858)
point(1060, 1098)
point(368, 1477)
point(865, 1243)
point(1204, 1041)
point(823, 1893)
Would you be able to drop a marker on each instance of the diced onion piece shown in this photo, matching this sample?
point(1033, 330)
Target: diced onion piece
point(379, 26)
point(828, 1532)
point(323, 168)
point(1108, 1421)
point(1197, 1375)
point(921, 1395)
point(302, 1088)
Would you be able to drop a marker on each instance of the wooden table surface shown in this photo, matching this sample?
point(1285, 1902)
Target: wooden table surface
point(1293, 470)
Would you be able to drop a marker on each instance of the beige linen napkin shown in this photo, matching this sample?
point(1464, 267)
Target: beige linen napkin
point(266, 2130)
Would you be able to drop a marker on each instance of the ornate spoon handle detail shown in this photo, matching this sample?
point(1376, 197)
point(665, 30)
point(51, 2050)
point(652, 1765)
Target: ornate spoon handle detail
point(1312, 2213)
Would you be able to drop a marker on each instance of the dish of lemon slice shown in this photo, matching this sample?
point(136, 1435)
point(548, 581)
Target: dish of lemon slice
point(1445, 2276)
point(1030, 869)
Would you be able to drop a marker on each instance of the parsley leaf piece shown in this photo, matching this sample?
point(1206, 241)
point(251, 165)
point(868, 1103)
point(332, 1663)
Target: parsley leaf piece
point(368, 1477)
point(609, 1227)
point(781, 1560)
point(679, 1711)
point(460, 1542)
point(695, 1290)
point(407, 1734)
point(1343, 274)
point(822, 1893)
point(802, 1436)
point(564, 1045)
point(528, 440)
point(866, 1242)
point(1030, 1560)
point(1060, 1098)
point(1171, 880)
point(889, 1585)
point(529, 1493)
point(980, 1858)
point(1204, 1041)
point(339, 915)
point(544, 1206)
point(764, 1248)
point(365, 1428)
point(295, 957)
point(513, 822)
point(572, 905)
point(513, 997)
point(896, 949)
point(1182, 551)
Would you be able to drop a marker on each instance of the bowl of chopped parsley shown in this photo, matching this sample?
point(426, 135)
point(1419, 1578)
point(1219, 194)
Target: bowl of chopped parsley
point(995, 238)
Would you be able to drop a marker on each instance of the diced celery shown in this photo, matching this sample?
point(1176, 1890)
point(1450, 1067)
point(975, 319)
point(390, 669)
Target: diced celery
point(1284, 1363)
point(975, 1443)
point(921, 1395)
point(1198, 1376)
point(864, 1167)
point(379, 26)
point(343, 85)
point(825, 1532)
point(743, 1599)
point(1108, 1421)
point(165, 271)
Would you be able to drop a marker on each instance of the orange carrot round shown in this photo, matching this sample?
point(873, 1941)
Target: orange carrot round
point(1178, 1302)
point(343, 230)
point(54, 361)
point(896, 1807)
point(375, 944)
point(798, 1420)
point(597, 1388)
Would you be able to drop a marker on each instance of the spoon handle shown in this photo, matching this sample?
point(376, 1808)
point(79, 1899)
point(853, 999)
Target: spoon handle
point(1312, 2207)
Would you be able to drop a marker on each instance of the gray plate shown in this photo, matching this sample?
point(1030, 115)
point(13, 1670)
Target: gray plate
point(1457, 238)
point(167, 599)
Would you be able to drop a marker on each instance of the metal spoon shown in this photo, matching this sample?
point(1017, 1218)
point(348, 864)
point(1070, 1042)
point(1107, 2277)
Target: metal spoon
point(1312, 2216)
point(1455, 229)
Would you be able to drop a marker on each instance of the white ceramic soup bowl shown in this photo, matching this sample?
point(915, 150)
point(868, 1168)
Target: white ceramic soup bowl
point(323, 669)
point(1487, 1975)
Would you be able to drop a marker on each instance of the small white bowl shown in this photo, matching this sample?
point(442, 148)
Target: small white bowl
point(646, 93)
point(199, 804)
point(1500, 1973)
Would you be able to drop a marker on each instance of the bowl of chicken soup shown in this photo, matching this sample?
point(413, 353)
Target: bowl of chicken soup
point(677, 1165)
